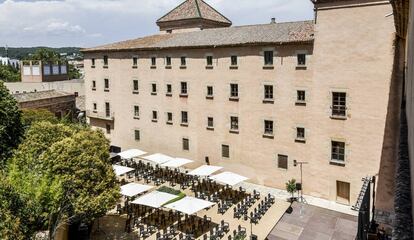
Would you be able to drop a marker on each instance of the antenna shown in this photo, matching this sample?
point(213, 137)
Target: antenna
point(7, 51)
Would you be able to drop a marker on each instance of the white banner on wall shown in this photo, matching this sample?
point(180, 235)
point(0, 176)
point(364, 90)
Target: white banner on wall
point(36, 70)
point(26, 71)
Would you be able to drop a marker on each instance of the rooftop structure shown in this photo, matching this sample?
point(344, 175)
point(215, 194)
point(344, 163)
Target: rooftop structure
point(192, 14)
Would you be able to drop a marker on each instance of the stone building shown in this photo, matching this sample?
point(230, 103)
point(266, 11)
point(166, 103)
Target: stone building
point(38, 71)
point(62, 104)
point(255, 98)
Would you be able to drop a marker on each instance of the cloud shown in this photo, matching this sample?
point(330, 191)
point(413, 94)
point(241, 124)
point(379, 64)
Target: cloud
point(92, 22)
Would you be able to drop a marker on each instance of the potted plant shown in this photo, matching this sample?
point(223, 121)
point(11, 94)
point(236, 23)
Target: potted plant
point(291, 188)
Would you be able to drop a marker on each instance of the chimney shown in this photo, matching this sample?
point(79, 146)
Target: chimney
point(273, 20)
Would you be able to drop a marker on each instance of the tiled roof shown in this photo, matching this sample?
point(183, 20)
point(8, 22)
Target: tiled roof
point(191, 9)
point(34, 96)
point(274, 33)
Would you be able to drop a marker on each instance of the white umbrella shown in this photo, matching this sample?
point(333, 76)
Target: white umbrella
point(131, 153)
point(158, 158)
point(189, 205)
point(205, 170)
point(133, 189)
point(121, 170)
point(154, 199)
point(177, 162)
point(228, 178)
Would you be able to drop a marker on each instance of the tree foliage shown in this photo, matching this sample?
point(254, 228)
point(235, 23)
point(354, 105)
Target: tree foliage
point(67, 172)
point(14, 213)
point(291, 186)
point(9, 73)
point(30, 116)
point(11, 128)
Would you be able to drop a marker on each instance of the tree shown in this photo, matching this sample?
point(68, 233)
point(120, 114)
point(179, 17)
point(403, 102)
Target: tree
point(291, 187)
point(9, 74)
point(45, 55)
point(30, 116)
point(14, 213)
point(11, 129)
point(67, 172)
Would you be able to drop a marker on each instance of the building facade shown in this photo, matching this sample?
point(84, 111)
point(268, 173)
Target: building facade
point(255, 98)
point(38, 71)
point(61, 104)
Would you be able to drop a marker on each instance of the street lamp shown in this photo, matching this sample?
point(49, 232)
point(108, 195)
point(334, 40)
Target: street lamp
point(296, 163)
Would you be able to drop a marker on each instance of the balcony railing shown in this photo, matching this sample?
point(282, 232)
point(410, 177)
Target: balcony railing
point(101, 115)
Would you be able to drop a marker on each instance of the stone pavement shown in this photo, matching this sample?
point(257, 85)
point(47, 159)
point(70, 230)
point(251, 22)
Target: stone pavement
point(283, 194)
point(308, 222)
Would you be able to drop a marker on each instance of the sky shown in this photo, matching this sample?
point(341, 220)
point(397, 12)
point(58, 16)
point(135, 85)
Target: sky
point(88, 23)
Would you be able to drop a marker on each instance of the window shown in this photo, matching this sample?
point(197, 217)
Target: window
point(137, 134)
point(268, 127)
point(234, 60)
point(169, 117)
point(300, 133)
point(154, 116)
point(339, 104)
point(153, 61)
point(210, 92)
point(106, 84)
point(209, 60)
point(184, 117)
point(225, 151)
point(135, 86)
point(186, 144)
point(268, 58)
point(184, 90)
point(183, 61)
point(168, 61)
point(95, 107)
point(301, 59)
point(135, 61)
point(268, 92)
point(136, 111)
point(210, 122)
point(338, 151)
point(107, 109)
point(282, 161)
point(234, 124)
point(105, 60)
point(153, 89)
point(108, 128)
point(93, 62)
point(301, 96)
point(94, 85)
point(234, 90)
point(169, 89)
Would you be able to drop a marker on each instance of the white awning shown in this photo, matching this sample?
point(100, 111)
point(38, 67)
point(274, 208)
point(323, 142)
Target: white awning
point(131, 153)
point(155, 199)
point(205, 170)
point(158, 158)
point(133, 189)
point(189, 205)
point(228, 178)
point(177, 162)
point(121, 170)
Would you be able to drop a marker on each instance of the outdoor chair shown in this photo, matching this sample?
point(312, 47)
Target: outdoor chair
point(241, 230)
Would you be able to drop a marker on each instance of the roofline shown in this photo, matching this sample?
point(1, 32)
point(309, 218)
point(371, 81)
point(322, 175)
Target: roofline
point(195, 18)
point(199, 13)
point(196, 47)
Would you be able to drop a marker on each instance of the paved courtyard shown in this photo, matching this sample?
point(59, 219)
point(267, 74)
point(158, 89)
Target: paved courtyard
point(308, 222)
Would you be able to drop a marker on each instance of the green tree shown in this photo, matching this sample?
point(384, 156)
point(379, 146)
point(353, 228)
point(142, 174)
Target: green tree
point(9, 74)
point(45, 55)
point(67, 172)
point(14, 213)
point(30, 116)
point(291, 187)
point(11, 129)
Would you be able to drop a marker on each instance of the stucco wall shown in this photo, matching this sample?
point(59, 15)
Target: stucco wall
point(70, 86)
point(345, 57)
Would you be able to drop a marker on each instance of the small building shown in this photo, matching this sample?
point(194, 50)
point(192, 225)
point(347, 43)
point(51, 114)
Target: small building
point(38, 71)
point(60, 103)
point(9, 62)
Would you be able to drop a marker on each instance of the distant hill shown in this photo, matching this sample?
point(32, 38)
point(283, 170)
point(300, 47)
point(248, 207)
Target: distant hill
point(21, 52)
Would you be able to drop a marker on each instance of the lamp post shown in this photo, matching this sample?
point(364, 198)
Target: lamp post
point(252, 237)
point(296, 163)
